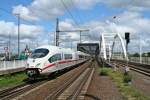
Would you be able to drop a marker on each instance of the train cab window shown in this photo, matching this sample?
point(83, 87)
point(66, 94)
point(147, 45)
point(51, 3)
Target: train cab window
point(39, 53)
point(54, 58)
point(68, 56)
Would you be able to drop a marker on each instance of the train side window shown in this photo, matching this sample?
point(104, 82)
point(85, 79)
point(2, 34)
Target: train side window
point(54, 58)
point(68, 56)
point(81, 56)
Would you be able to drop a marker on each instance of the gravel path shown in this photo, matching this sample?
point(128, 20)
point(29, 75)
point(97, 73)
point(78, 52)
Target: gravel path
point(102, 88)
point(141, 82)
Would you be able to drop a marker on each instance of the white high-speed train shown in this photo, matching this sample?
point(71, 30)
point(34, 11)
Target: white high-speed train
point(48, 59)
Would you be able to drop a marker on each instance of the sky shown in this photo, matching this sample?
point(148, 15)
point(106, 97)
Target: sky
point(38, 21)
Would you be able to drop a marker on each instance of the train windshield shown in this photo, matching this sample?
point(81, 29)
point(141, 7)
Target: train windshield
point(39, 53)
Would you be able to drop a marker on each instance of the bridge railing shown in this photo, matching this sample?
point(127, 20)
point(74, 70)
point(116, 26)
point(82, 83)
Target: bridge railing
point(6, 65)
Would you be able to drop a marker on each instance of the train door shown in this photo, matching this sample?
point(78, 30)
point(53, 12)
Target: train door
point(68, 59)
point(62, 63)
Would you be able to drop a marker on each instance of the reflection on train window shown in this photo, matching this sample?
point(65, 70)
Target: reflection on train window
point(39, 53)
point(54, 58)
point(68, 56)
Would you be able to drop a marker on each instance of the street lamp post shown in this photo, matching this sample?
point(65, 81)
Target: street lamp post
point(140, 49)
point(18, 16)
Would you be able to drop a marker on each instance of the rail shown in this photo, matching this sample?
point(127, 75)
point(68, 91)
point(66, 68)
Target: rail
point(20, 89)
point(85, 73)
point(140, 68)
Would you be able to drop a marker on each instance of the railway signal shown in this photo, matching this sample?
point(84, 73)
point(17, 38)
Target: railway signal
point(127, 37)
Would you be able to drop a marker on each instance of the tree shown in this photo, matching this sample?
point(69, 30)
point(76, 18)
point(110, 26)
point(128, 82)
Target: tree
point(136, 55)
point(148, 54)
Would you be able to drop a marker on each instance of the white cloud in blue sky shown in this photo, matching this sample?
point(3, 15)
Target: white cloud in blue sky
point(96, 15)
point(27, 31)
point(128, 4)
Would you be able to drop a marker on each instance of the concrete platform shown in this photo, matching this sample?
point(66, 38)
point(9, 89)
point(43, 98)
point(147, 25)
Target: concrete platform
point(10, 71)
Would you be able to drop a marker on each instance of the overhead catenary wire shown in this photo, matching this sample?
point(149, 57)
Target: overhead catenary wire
point(77, 11)
point(67, 9)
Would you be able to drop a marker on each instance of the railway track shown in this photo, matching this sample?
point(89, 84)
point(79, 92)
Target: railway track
point(134, 67)
point(20, 89)
point(73, 88)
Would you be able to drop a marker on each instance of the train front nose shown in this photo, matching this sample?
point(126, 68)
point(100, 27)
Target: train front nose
point(33, 68)
point(32, 72)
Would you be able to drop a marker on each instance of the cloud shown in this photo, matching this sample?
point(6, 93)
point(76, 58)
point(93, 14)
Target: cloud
point(29, 34)
point(47, 9)
point(31, 31)
point(127, 21)
point(130, 20)
point(134, 5)
point(41, 9)
point(26, 31)
point(50, 9)
point(130, 23)
point(6, 28)
point(85, 4)
point(25, 13)
point(66, 26)
point(135, 21)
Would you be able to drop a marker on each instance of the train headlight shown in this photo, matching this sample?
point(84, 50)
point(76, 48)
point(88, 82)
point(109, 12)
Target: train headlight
point(27, 65)
point(38, 64)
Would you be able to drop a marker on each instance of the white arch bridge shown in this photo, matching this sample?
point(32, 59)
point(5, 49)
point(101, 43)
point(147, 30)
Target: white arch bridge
point(112, 46)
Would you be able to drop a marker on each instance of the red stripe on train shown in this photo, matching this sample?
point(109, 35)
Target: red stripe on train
point(50, 65)
point(65, 61)
point(60, 62)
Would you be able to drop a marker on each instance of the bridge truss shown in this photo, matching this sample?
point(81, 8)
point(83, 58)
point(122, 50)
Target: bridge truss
point(108, 44)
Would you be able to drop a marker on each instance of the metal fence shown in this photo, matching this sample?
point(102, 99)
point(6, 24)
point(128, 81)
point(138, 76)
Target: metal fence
point(6, 65)
point(145, 60)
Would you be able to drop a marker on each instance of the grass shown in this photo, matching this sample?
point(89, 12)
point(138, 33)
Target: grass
point(12, 80)
point(104, 72)
point(128, 91)
point(127, 78)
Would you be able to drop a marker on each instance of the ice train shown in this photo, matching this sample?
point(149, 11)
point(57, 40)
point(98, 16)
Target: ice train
point(48, 59)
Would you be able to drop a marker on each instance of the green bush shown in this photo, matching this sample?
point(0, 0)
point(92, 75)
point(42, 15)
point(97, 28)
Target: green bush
point(104, 72)
point(127, 78)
